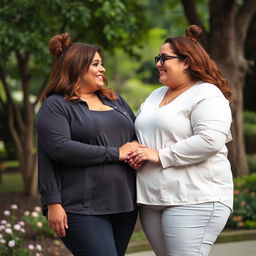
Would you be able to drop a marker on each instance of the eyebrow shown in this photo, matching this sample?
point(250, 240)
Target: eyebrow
point(97, 60)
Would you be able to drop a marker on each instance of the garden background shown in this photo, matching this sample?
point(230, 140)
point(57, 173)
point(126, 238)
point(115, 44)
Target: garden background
point(130, 32)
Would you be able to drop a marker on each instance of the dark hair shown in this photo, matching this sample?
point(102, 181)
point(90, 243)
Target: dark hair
point(201, 66)
point(72, 60)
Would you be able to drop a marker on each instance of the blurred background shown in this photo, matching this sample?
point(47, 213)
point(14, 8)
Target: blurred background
point(130, 33)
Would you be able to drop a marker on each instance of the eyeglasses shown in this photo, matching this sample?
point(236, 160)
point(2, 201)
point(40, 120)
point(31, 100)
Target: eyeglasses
point(163, 58)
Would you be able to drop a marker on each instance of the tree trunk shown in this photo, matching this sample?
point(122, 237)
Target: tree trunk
point(229, 23)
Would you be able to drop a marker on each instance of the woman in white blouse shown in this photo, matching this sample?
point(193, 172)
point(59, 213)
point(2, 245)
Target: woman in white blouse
point(185, 186)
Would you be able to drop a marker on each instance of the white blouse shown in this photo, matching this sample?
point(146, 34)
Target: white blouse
point(190, 134)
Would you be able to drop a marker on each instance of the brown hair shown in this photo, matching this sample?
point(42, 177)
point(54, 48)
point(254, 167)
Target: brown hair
point(201, 66)
point(72, 60)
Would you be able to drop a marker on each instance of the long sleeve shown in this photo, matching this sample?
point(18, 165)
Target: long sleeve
point(210, 121)
point(48, 178)
point(54, 134)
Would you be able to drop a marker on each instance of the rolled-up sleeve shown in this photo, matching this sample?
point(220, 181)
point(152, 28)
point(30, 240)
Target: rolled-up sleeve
point(54, 135)
point(210, 121)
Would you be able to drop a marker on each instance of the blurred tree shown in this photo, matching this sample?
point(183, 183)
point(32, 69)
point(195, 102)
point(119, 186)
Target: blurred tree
point(250, 52)
point(26, 26)
point(229, 22)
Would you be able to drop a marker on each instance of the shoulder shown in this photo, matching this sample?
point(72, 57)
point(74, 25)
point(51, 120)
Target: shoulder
point(54, 103)
point(208, 89)
point(202, 91)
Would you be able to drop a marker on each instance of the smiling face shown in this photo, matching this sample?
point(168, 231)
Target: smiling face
point(93, 79)
point(171, 72)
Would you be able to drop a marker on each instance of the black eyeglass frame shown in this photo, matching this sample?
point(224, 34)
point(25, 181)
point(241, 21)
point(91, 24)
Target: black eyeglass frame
point(163, 58)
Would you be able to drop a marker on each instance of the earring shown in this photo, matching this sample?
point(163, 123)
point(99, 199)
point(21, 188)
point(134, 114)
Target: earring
point(184, 70)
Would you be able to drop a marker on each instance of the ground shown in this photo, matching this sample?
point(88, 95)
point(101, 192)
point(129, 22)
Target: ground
point(51, 247)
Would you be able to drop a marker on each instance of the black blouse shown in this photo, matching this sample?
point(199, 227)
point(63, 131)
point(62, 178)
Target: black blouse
point(78, 151)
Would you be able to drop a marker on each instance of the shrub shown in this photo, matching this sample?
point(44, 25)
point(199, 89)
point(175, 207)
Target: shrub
point(244, 214)
point(12, 232)
point(251, 159)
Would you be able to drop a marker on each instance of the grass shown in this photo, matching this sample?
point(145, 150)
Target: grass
point(11, 182)
point(11, 164)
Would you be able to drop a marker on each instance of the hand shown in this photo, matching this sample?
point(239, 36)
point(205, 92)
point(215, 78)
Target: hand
point(57, 219)
point(126, 148)
point(133, 165)
point(141, 154)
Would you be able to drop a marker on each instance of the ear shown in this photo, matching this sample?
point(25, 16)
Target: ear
point(186, 64)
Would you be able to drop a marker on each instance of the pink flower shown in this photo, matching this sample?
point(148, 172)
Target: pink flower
point(26, 213)
point(14, 206)
point(39, 247)
point(17, 227)
point(7, 213)
point(31, 247)
point(3, 222)
point(37, 209)
point(11, 243)
point(8, 231)
point(35, 214)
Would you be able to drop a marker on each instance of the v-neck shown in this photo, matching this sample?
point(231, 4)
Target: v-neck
point(175, 99)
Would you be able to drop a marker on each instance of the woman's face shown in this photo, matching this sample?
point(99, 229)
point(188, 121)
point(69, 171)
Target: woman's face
point(93, 79)
point(171, 72)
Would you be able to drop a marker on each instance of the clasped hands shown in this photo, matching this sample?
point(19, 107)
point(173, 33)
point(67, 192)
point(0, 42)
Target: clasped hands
point(136, 154)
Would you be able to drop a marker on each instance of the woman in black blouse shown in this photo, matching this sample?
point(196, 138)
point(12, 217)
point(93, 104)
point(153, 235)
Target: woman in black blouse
point(85, 131)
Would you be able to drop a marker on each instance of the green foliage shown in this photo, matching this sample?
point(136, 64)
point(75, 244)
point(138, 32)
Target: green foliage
point(251, 158)
point(38, 223)
point(250, 117)
point(141, 90)
point(250, 137)
point(11, 182)
point(244, 214)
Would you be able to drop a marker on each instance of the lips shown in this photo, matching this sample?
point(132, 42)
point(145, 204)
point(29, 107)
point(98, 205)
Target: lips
point(100, 77)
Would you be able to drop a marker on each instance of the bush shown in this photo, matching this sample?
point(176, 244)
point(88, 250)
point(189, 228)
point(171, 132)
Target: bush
point(12, 233)
point(251, 159)
point(250, 137)
point(250, 117)
point(244, 214)
point(250, 131)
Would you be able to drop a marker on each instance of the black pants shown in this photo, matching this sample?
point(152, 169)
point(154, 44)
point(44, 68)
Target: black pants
point(99, 235)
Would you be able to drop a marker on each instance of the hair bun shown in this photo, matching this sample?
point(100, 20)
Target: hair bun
point(194, 32)
point(58, 43)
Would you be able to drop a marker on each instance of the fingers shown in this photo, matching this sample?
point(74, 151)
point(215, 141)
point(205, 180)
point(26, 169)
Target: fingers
point(58, 227)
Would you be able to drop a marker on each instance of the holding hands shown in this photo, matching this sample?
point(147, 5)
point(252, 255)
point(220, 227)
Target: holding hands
point(138, 156)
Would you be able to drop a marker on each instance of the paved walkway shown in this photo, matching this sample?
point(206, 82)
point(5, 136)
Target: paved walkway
point(245, 248)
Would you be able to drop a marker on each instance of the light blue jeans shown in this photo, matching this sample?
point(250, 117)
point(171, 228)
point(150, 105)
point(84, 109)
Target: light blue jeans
point(188, 230)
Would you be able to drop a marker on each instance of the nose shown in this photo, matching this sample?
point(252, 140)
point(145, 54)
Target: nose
point(102, 69)
point(158, 64)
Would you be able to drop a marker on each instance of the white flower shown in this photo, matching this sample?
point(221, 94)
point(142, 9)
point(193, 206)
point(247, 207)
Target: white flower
point(2, 241)
point(8, 225)
point(2, 227)
point(26, 213)
point(21, 223)
point(34, 214)
point(3, 222)
point(8, 231)
point(39, 247)
point(11, 243)
point(14, 206)
point(1, 236)
point(39, 224)
point(17, 227)
point(22, 230)
point(7, 213)
point(37, 209)
point(31, 247)
point(37, 254)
